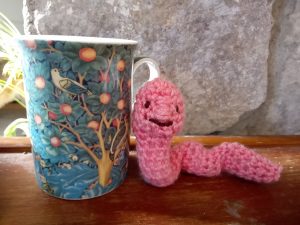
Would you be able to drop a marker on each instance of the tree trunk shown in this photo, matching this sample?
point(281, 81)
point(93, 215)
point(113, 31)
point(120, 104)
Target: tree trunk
point(104, 169)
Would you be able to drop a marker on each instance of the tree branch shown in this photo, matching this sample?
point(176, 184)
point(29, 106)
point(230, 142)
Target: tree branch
point(81, 144)
point(107, 123)
point(89, 151)
point(96, 146)
point(81, 77)
point(121, 143)
point(121, 85)
point(51, 49)
point(100, 137)
point(85, 108)
point(110, 60)
point(114, 139)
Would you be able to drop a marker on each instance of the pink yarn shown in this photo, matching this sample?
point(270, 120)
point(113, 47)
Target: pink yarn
point(158, 115)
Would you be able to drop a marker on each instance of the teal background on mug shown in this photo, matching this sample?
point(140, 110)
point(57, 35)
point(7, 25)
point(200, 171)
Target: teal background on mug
point(78, 105)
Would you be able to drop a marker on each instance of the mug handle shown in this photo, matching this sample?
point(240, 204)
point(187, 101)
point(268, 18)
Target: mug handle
point(153, 69)
point(152, 65)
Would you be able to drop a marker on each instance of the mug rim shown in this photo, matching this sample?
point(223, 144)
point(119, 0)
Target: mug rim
point(79, 39)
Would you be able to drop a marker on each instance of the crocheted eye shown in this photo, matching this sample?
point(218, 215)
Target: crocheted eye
point(147, 104)
point(177, 109)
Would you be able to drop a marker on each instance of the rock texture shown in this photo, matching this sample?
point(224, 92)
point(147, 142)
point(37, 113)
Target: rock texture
point(215, 51)
point(280, 114)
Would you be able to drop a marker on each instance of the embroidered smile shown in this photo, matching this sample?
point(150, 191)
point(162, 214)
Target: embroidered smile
point(161, 124)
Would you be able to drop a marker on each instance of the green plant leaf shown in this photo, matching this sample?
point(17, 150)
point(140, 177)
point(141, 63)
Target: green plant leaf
point(101, 63)
point(71, 55)
point(95, 65)
point(10, 55)
point(5, 23)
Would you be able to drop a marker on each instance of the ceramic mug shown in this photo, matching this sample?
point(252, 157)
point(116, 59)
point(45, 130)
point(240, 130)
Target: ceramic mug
point(78, 96)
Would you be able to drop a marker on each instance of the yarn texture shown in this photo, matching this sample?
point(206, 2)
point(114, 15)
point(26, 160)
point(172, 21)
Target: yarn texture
point(158, 115)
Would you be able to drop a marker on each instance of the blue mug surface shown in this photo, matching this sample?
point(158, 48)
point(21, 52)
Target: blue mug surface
point(78, 97)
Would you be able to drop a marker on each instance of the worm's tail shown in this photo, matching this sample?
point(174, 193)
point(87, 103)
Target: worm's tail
point(246, 163)
point(232, 158)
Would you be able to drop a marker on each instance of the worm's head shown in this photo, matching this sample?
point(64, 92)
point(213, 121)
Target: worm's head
point(158, 109)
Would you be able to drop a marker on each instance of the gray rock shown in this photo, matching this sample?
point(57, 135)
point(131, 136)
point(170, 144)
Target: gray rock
point(280, 114)
point(215, 51)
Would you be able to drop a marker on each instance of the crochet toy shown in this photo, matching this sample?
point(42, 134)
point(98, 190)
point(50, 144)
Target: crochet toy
point(158, 115)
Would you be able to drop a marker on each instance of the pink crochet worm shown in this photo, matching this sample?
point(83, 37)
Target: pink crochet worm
point(158, 115)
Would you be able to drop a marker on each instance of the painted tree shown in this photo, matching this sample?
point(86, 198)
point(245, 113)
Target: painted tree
point(84, 94)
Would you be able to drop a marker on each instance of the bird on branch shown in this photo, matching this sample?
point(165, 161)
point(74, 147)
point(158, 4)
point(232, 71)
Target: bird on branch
point(67, 85)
